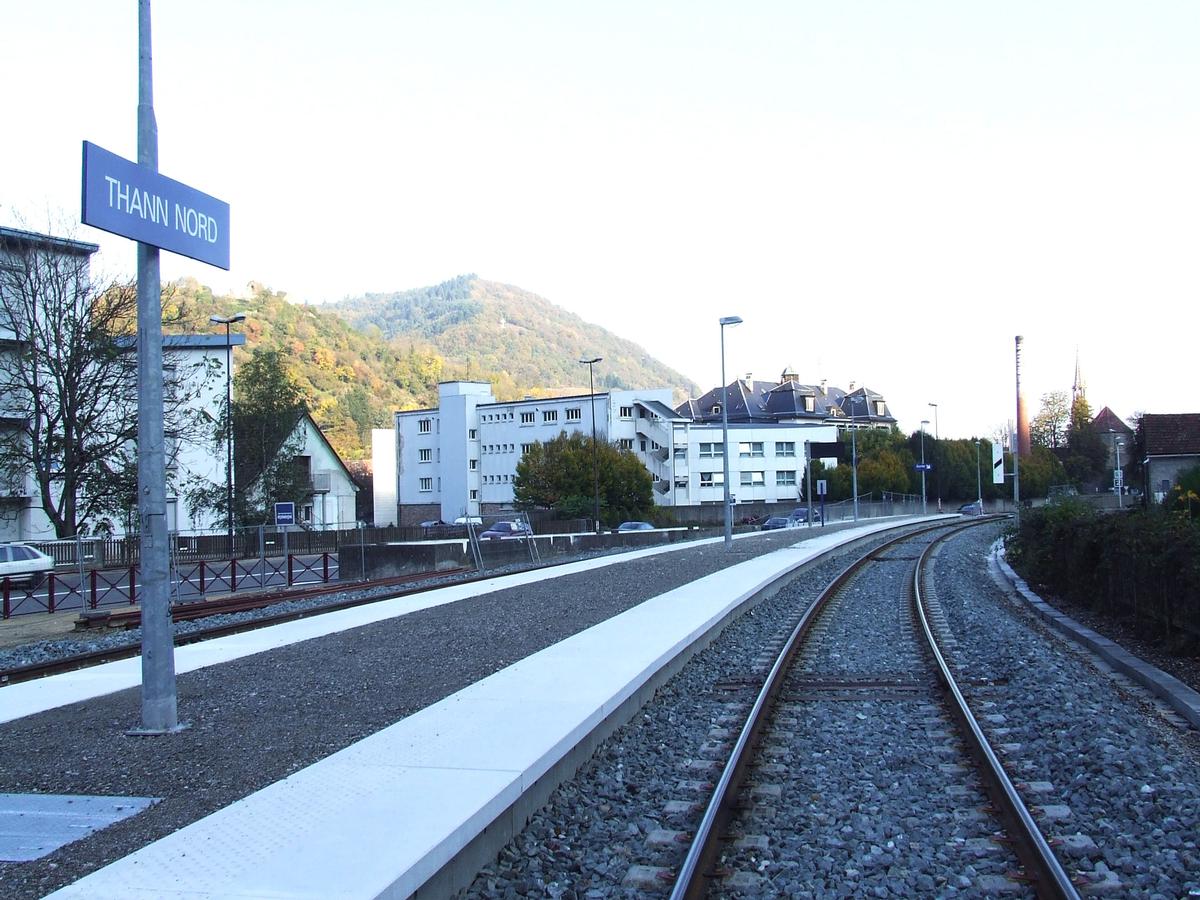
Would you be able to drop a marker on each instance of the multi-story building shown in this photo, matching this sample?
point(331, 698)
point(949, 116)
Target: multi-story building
point(460, 458)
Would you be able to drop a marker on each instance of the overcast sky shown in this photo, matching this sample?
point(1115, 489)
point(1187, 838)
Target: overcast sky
point(885, 192)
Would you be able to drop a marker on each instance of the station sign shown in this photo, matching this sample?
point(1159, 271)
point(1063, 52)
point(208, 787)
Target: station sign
point(924, 467)
point(285, 513)
point(124, 198)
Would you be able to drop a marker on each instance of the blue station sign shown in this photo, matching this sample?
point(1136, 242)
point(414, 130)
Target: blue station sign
point(285, 513)
point(127, 199)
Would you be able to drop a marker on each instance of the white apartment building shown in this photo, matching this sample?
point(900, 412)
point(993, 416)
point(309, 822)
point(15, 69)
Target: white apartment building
point(460, 458)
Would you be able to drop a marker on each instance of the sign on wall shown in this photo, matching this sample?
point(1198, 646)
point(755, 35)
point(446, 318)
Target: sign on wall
point(124, 198)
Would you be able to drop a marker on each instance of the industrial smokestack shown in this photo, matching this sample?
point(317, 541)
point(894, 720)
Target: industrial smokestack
point(1023, 445)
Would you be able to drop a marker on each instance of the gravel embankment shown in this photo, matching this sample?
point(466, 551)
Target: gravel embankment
point(255, 720)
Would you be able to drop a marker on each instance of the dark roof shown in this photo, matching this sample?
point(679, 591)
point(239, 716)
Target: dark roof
point(769, 402)
point(1172, 434)
point(17, 238)
point(1107, 420)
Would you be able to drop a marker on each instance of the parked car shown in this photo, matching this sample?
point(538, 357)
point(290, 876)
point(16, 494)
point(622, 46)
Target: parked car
point(23, 564)
point(635, 526)
point(775, 522)
point(800, 516)
point(504, 530)
point(468, 520)
point(971, 509)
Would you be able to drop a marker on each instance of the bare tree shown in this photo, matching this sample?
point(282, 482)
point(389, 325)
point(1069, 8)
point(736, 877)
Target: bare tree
point(68, 381)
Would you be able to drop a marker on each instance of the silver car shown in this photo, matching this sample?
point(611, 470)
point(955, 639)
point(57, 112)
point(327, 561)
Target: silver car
point(23, 564)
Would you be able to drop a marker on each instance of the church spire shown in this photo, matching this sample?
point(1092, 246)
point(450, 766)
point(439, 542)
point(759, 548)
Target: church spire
point(1079, 388)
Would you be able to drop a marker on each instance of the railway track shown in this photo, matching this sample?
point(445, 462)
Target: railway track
point(187, 612)
point(858, 699)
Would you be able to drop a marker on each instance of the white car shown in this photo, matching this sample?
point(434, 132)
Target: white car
point(23, 564)
point(468, 520)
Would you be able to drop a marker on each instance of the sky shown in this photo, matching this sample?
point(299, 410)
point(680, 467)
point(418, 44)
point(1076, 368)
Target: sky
point(886, 193)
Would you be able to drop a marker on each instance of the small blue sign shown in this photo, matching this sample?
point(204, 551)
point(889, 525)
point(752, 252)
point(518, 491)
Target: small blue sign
point(127, 199)
point(285, 513)
point(924, 467)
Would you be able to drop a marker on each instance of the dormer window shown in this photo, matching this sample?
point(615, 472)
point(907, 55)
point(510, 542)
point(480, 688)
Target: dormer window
point(716, 410)
point(810, 404)
point(879, 408)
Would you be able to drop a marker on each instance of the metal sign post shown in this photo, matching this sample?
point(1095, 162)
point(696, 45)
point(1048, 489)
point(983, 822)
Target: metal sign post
point(134, 201)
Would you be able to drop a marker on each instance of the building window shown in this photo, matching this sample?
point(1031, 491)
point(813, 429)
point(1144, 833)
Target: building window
point(472, 434)
point(879, 407)
point(473, 464)
point(526, 418)
point(574, 414)
point(425, 455)
point(525, 448)
point(643, 444)
point(753, 479)
point(626, 412)
point(785, 448)
point(712, 451)
point(810, 404)
point(424, 426)
point(747, 449)
point(549, 415)
point(426, 484)
point(716, 410)
point(785, 478)
point(711, 479)
point(625, 443)
point(474, 494)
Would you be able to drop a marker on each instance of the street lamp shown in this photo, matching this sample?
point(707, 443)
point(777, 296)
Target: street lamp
point(595, 469)
point(726, 320)
point(924, 422)
point(854, 455)
point(937, 455)
point(978, 480)
point(1117, 444)
point(227, 321)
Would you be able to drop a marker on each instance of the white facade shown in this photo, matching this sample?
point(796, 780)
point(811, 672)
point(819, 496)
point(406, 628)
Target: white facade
point(461, 457)
point(383, 468)
point(330, 505)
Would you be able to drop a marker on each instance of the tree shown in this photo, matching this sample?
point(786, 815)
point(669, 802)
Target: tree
point(268, 404)
point(1049, 426)
point(558, 475)
point(1087, 454)
point(68, 376)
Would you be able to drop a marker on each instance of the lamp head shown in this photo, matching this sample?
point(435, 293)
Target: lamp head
point(588, 362)
point(730, 320)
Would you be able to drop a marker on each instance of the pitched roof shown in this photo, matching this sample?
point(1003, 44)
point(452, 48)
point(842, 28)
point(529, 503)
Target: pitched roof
point(1172, 434)
point(1107, 420)
point(751, 401)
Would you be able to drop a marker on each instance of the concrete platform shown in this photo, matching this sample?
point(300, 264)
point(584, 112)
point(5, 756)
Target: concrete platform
point(384, 816)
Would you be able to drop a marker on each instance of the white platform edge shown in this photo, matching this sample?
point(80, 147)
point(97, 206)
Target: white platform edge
point(380, 817)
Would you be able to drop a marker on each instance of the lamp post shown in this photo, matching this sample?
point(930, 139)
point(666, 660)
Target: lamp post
point(595, 469)
point(937, 455)
point(1120, 484)
point(227, 321)
point(854, 456)
point(726, 320)
point(924, 422)
point(978, 480)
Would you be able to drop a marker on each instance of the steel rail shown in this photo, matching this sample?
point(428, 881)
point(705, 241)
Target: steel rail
point(691, 882)
point(1049, 877)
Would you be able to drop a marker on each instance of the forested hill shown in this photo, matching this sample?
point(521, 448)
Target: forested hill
point(360, 360)
point(521, 342)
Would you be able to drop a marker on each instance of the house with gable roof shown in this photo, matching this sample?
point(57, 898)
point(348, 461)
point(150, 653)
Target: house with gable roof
point(1171, 446)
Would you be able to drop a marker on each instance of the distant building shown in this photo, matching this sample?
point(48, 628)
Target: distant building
point(1116, 435)
point(329, 501)
point(194, 372)
point(460, 458)
point(1172, 446)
